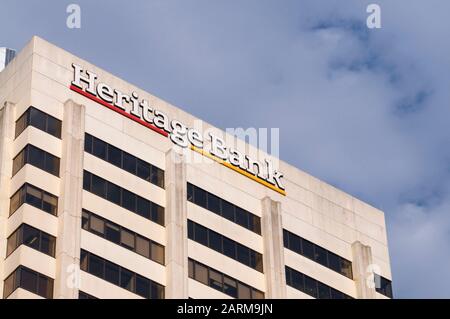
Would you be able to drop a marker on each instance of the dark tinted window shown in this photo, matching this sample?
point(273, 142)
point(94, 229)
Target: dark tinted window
point(22, 123)
point(98, 186)
point(215, 241)
point(200, 197)
point(228, 210)
point(39, 120)
point(242, 217)
point(334, 262)
point(383, 286)
point(243, 254)
point(19, 161)
point(229, 248)
point(129, 163)
point(201, 273)
point(112, 233)
point(143, 246)
point(54, 126)
point(190, 230)
point(298, 280)
point(346, 268)
point(317, 253)
point(38, 158)
point(35, 197)
point(113, 193)
point(225, 246)
point(143, 170)
point(99, 148)
point(96, 266)
point(190, 192)
point(223, 208)
point(31, 237)
point(83, 295)
point(127, 239)
point(124, 160)
point(312, 286)
point(85, 221)
point(201, 235)
point(296, 244)
point(30, 280)
point(128, 200)
point(219, 281)
point(127, 279)
point(88, 143)
point(214, 203)
point(144, 208)
point(256, 260)
point(230, 286)
point(308, 249)
point(143, 286)
point(244, 291)
point(215, 280)
point(114, 156)
point(112, 273)
point(120, 276)
point(157, 252)
point(123, 198)
point(157, 213)
point(320, 255)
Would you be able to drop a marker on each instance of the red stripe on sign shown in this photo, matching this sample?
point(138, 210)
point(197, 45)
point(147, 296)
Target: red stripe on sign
point(118, 110)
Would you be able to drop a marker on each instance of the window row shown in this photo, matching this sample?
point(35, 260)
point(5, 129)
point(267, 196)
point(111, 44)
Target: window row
point(29, 280)
point(124, 160)
point(123, 237)
point(383, 286)
point(225, 246)
point(31, 237)
point(120, 276)
point(40, 120)
point(311, 286)
point(39, 158)
point(318, 254)
point(83, 295)
point(123, 198)
point(222, 282)
point(35, 197)
point(223, 208)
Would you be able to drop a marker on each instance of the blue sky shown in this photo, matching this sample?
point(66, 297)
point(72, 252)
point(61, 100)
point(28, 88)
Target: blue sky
point(367, 110)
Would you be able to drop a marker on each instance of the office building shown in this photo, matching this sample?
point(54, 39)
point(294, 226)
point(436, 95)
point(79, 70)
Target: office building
point(107, 191)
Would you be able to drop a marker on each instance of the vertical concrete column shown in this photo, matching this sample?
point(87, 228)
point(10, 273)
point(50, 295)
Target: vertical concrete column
point(361, 267)
point(70, 205)
point(176, 226)
point(273, 256)
point(6, 156)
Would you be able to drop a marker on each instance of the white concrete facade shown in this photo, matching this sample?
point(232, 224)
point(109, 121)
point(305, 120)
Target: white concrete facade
point(40, 76)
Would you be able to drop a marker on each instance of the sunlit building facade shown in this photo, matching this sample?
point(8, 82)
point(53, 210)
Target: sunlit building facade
point(107, 191)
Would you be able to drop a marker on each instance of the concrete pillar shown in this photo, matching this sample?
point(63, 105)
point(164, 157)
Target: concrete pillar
point(70, 205)
point(273, 256)
point(6, 157)
point(176, 226)
point(362, 273)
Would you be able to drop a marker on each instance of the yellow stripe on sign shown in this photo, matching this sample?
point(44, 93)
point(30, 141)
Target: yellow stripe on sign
point(239, 170)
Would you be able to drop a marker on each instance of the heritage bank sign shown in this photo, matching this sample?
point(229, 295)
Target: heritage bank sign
point(85, 83)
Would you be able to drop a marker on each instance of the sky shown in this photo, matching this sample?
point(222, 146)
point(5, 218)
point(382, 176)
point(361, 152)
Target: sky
point(367, 110)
